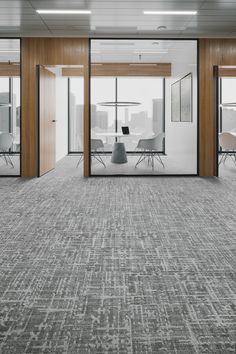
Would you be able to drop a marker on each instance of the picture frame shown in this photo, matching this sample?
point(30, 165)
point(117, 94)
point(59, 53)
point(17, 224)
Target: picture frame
point(175, 101)
point(186, 98)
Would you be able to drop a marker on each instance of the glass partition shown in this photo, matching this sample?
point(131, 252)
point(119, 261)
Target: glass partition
point(227, 121)
point(146, 118)
point(76, 113)
point(103, 115)
point(143, 107)
point(10, 107)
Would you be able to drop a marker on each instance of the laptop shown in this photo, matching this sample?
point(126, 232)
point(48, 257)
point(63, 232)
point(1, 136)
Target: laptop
point(125, 130)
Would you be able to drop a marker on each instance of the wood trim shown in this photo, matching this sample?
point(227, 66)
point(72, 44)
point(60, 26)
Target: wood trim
point(131, 69)
point(44, 51)
point(72, 72)
point(227, 72)
point(9, 69)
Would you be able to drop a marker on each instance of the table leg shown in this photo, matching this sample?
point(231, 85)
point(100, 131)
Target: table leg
point(119, 153)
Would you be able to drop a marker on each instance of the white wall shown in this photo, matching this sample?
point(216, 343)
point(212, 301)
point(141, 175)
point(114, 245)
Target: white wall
point(228, 95)
point(181, 137)
point(61, 117)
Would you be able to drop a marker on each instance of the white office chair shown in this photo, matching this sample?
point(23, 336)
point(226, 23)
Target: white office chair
point(96, 146)
point(149, 149)
point(6, 141)
point(227, 142)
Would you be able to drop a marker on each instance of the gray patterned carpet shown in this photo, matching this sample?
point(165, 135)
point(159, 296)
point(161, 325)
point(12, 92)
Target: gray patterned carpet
point(117, 265)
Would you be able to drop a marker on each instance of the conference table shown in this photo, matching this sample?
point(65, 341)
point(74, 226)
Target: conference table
point(118, 152)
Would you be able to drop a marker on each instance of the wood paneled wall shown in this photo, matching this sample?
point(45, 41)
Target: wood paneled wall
point(227, 72)
point(131, 69)
point(47, 51)
point(9, 69)
point(212, 52)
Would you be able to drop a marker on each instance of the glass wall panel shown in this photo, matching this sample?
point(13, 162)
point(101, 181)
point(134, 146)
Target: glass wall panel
point(143, 107)
point(16, 113)
point(228, 114)
point(76, 112)
point(5, 100)
point(103, 110)
point(227, 124)
point(144, 114)
point(9, 107)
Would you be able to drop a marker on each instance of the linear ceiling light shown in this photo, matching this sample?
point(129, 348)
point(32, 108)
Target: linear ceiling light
point(170, 12)
point(147, 52)
point(9, 51)
point(65, 12)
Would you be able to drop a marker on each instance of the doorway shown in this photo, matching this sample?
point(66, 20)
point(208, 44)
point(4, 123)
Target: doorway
point(226, 120)
point(60, 119)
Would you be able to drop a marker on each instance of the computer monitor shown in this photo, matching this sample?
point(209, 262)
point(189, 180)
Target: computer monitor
point(125, 130)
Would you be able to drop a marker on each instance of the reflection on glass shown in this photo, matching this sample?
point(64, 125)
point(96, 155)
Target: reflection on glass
point(228, 114)
point(76, 111)
point(103, 89)
point(10, 108)
point(146, 119)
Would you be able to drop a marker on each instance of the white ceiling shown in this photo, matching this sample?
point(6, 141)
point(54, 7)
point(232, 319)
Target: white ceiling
point(216, 18)
point(144, 51)
point(9, 50)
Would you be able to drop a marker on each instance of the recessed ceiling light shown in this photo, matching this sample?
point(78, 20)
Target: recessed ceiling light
point(170, 12)
point(155, 43)
point(161, 27)
point(65, 12)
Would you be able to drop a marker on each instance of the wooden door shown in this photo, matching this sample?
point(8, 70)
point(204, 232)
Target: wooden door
point(47, 121)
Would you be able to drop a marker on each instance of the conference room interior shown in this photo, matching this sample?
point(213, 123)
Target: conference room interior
point(226, 127)
point(10, 92)
point(143, 117)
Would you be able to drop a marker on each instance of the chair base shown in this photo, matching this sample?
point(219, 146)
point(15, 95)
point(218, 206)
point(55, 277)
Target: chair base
point(226, 155)
point(151, 156)
point(94, 155)
point(7, 158)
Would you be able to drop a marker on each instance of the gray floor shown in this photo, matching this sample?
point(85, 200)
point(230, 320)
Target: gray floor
point(117, 265)
point(173, 165)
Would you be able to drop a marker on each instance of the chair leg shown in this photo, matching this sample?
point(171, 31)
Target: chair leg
point(158, 158)
point(141, 158)
point(80, 160)
point(99, 158)
point(10, 160)
point(5, 158)
point(232, 156)
point(221, 158)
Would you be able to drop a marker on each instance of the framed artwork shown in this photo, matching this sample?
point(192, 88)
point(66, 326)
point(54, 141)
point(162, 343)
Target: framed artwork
point(186, 98)
point(175, 101)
